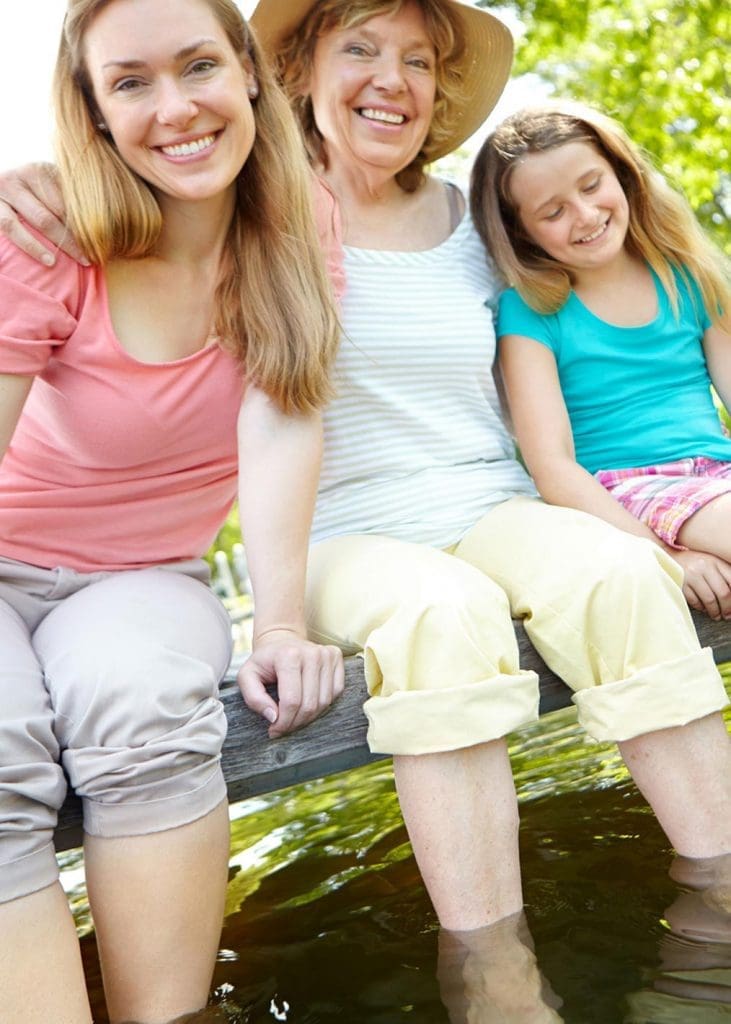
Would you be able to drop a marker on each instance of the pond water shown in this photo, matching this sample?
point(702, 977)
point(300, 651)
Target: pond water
point(328, 921)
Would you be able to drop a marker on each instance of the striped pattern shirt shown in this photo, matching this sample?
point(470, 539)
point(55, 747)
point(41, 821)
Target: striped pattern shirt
point(415, 447)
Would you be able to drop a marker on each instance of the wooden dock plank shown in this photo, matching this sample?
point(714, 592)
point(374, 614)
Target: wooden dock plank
point(254, 764)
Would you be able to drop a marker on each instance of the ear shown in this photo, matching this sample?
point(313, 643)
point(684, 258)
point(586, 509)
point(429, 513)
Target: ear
point(252, 82)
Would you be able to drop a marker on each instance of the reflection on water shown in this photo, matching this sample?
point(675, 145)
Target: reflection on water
point(328, 922)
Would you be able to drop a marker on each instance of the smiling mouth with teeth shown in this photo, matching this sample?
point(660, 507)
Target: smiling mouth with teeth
point(595, 234)
point(386, 116)
point(189, 148)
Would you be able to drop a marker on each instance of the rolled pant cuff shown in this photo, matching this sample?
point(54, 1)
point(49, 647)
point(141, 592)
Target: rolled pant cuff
point(138, 818)
point(669, 694)
point(28, 874)
point(434, 721)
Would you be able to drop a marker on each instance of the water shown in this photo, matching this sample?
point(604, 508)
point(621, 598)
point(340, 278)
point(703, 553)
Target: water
point(328, 922)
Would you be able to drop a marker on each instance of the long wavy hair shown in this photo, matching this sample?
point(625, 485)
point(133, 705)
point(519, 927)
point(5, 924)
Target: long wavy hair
point(274, 303)
point(295, 58)
point(662, 230)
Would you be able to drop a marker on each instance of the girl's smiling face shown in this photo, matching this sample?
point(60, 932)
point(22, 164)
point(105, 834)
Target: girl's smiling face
point(571, 204)
point(172, 93)
point(372, 89)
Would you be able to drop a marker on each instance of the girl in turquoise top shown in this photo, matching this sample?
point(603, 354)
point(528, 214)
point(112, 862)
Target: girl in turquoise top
point(615, 327)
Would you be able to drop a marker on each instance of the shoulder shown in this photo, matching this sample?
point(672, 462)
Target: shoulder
point(39, 307)
point(512, 308)
point(62, 282)
point(515, 316)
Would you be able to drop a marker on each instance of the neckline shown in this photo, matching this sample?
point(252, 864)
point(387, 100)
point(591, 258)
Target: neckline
point(465, 220)
point(101, 277)
point(659, 294)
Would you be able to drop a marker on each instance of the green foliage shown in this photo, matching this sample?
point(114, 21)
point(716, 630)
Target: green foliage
point(660, 67)
point(228, 535)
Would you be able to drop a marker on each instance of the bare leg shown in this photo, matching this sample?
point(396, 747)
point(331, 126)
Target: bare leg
point(709, 529)
point(461, 813)
point(158, 905)
point(491, 976)
point(41, 977)
point(684, 774)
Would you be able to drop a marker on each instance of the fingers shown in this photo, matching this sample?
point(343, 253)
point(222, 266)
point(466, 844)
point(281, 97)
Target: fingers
point(692, 598)
point(252, 679)
point(707, 584)
point(309, 678)
point(33, 195)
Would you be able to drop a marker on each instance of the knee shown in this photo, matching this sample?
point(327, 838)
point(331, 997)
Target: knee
point(629, 569)
point(122, 672)
point(455, 630)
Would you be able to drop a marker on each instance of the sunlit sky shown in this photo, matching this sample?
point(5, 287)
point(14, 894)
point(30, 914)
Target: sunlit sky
point(29, 30)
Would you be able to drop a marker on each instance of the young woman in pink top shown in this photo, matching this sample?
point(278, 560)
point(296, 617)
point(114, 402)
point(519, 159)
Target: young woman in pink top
point(192, 350)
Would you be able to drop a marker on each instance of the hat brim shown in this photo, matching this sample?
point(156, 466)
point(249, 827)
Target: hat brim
point(486, 63)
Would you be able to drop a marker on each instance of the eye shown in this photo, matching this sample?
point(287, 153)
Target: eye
point(357, 50)
point(419, 62)
point(593, 185)
point(202, 67)
point(554, 214)
point(127, 85)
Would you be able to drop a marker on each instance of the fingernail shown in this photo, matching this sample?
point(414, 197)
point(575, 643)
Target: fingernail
point(270, 714)
point(48, 259)
point(84, 262)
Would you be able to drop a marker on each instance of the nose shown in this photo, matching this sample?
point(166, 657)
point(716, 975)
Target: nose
point(175, 107)
point(389, 74)
point(586, 210)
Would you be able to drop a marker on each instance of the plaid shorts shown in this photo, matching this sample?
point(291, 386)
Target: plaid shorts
point(665, 496)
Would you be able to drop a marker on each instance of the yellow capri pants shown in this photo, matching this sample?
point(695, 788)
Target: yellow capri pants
point(604, 609)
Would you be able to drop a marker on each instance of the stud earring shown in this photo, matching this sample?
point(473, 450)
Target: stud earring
point(102, 126)
point(253, 90)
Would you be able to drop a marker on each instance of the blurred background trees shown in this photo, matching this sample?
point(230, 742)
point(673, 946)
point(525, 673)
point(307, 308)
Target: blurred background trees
point(662, 67)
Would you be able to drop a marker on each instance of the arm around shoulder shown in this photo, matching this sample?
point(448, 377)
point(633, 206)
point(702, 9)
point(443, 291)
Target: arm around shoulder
point(31, 194)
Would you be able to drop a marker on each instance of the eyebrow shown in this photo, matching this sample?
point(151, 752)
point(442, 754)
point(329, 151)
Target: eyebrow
point(417, 43)
point(186, 51)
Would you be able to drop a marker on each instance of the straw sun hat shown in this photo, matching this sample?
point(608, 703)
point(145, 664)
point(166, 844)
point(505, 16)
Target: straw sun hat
point(486, 62)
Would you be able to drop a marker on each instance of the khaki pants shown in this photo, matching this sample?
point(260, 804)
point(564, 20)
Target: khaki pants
point(603, 608)
point(113, 679)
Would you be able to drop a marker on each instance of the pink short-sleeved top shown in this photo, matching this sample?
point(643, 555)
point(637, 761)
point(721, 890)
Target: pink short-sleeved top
point(115, 463)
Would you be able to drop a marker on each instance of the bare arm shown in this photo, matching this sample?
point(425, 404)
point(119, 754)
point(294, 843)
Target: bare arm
point(717, 348)
point(13, 392)
point(279, 463)
point(544, 434)
point(32, 193)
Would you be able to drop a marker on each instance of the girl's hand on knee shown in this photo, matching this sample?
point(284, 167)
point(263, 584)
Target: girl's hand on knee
point(308, 678)
point(32, 194)
point(706, 583)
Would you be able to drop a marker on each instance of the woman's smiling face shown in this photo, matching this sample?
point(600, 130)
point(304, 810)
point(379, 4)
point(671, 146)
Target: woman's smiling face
point(172, 93)
point(372, 89)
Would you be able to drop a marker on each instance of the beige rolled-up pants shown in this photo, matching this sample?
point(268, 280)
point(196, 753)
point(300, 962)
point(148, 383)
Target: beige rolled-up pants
point(109, 680)
point(603, 608)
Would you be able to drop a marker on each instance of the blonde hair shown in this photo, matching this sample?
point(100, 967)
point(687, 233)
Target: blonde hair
point(662, 230)
point(274, 302)
point(295, 56)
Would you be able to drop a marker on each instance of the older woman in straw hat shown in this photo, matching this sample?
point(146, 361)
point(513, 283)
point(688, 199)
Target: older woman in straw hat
point(427, 533)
